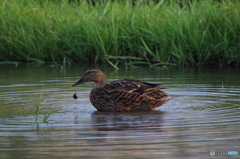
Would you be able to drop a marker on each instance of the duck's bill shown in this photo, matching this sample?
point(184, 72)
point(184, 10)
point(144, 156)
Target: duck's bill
point(81, 81)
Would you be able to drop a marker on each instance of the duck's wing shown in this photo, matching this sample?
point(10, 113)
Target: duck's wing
point(125, 99)
point(127, 95)
point(131, 85)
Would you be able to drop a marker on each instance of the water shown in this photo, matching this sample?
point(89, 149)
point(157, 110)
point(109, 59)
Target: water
point(204, 117)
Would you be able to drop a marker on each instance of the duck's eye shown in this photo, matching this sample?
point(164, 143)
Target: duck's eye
point(87, 73)
point(90, 72)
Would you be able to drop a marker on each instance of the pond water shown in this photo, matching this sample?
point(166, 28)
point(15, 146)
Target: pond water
point(204, 117)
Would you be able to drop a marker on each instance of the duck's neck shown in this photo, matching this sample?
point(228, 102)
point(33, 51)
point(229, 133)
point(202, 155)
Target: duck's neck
point(101, 82)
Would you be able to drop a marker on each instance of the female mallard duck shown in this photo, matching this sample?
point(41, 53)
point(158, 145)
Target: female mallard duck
point(123, 95)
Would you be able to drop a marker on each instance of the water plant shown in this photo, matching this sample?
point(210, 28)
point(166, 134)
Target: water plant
point(37, 105)
point(47, 113)
point(117, 32)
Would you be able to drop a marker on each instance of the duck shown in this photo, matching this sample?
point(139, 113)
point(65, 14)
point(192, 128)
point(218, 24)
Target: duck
point(124, 94)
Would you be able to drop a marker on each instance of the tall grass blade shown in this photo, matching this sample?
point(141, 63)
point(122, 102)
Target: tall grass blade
point(187, 33)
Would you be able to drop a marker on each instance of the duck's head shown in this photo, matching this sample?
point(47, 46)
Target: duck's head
point(93, 75)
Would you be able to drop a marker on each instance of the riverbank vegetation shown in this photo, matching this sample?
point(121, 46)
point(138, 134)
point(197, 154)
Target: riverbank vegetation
point(154, 33)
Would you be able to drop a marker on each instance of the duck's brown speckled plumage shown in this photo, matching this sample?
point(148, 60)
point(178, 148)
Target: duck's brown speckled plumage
point(123, 95)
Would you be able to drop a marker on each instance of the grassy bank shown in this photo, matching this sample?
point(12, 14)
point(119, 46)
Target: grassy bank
point(164, 33)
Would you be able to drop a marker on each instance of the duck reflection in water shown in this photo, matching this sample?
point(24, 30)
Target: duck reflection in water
point(117, 124)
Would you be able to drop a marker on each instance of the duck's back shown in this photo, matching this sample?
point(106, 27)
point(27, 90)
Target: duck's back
point(128, 95)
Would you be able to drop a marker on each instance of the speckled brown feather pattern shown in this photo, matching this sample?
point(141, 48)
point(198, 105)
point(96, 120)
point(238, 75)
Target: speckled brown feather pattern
point(123, 95)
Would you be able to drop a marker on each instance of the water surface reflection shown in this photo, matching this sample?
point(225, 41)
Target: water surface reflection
point(128, 121)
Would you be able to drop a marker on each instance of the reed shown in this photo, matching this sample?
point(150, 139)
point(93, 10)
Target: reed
point(47, 114)
point(37, 105)
point(163, 33)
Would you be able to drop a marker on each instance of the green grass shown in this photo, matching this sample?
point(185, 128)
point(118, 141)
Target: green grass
point(37, 105)
point(47, 115)
point(37, 111)
point(202, 33)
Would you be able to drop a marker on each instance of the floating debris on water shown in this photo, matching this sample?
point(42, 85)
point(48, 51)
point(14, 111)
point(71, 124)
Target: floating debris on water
point(75, 96)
